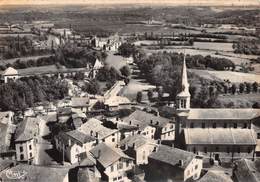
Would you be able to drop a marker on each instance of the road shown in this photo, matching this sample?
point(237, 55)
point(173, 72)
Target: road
point(44, 147)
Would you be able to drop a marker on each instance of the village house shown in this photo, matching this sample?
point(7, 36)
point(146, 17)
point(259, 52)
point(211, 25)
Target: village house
point(111, 43)
point(173, 164)
point(7, 129)
point(79, 104)
point(73, 143)
point(160, 128)
point(10, 74)
point(26, 137)
point(246, 170)
point(216, 133)
point(138, 147)
point(112, 163)
point(102, 134)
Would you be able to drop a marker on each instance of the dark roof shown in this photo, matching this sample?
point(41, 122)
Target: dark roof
point(6, 163)
point(27, 129)
point(77, 122)
point(247, 170)
point(107, 155)
point(77, 136)
point(137, 140)
point(172, 156)
point(148, 118)
point(79, 101)
point(223, 114)
point(233, 136)
point(215, 176)
point(86, 175)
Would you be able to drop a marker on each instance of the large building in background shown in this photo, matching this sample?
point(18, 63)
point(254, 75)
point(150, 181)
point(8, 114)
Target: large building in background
point(217, 133)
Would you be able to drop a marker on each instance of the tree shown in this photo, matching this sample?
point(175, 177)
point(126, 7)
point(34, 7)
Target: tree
point(125, 71)
point(126, 49)
point(150, 94)
point(139, 96)
point(233, 89)
point(256, 105)
point(241, 87)
point(255, 86)
point(248, 87)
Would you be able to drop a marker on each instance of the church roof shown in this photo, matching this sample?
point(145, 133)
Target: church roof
point(184, 81)
point(223, 114)
point(216, 136)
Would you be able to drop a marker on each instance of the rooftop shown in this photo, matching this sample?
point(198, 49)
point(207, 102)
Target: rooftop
point(215, 176)
point(148, 118)
point(172, 156)
point(107, 155)
point(247, 170)
point(77, 136)
point(225, 136)
point(79, 101)
point(95, 126)
point(10, 71)
point(228, 114)
point(137, 141)
point(27, 129)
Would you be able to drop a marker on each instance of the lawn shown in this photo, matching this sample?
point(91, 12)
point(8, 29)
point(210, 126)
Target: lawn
point(235, 77)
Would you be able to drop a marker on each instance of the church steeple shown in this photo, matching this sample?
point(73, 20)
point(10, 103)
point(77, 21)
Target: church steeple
point(183, 98)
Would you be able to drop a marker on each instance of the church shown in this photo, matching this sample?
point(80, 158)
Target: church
point(216, 133)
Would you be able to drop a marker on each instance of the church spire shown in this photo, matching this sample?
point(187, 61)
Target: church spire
point(184, 80)
point(183, 98)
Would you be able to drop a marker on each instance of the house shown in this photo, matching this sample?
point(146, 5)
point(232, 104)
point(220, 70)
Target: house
point(164, 128)
point(7, 129)
point(215, 176)
point(112, 163)
point(73, 143)
point(246, 170)
point(96, 67)
point(87, 171)
point(138, 147)
point(79, 104)
point(31, 173)
point(173, 164)
point(142, 128)
point(26, 138)
point(220, 134)
point(10, 74)
point(102, 134)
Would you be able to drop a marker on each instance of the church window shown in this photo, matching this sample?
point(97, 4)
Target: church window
point(245, 125)
point(205, 150)
point(214, 125)
point(225, 125)
point(191, 125)
point(203, 125)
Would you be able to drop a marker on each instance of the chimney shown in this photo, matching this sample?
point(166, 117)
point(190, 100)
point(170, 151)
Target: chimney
point(180, 162)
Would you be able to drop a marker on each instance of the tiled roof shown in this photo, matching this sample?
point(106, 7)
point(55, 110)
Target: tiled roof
point(247, 170)
point(77, 122)
point(215, 176)
point(137, 140)
point(79, 101)
point(228, 114)
point(106, 155)
point(225, 136)
point(27, 129)
point(172, 156)
point(77, 136)
point(96, 126)
point(147, 118)
point(10, 71)
point(86, 175)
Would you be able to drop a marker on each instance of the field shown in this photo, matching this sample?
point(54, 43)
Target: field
point(245, 100)
point(234, 77)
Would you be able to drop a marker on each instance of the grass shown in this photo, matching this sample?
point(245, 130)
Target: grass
point(115, 60)
point(234, 77)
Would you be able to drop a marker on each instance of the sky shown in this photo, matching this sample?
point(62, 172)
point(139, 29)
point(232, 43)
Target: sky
point(160, 2)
